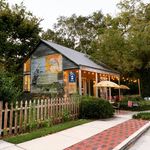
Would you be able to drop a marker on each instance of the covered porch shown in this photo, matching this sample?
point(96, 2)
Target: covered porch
point(86, 79)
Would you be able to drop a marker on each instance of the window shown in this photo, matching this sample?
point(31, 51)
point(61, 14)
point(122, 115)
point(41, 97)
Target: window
point(27, 66)
point(26, 83)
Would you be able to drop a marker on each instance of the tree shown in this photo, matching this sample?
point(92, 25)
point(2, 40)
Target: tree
point(122, 42)
point(126, 46)
point(138, 40)
point(55, 37)
point(77, 32)
point(19, 33)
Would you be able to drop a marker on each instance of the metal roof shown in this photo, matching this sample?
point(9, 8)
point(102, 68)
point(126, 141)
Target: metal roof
point(79, 58)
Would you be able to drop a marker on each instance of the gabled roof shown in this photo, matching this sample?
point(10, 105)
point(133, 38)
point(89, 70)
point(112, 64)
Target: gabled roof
point(79, 58)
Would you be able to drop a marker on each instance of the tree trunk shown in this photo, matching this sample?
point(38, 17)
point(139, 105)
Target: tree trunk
point(145, 82)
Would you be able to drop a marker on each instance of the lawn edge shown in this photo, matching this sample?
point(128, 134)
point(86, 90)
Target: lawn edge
point(17, 139)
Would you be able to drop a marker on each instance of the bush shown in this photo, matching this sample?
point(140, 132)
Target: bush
point(142, 104)
point(144, 116)
point(9, 92)
point(132, 98)
point(95, 108)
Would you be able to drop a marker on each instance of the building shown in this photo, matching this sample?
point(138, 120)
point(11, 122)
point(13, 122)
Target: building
point(55, 69)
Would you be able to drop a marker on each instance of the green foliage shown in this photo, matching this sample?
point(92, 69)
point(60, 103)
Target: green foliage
point(95, 108)
point(9, 92)
point(77, 32)
point(141, 104)
point(122, 42)
point(19, 33)
point(57, 38)
point(143, 115)
point(44, 123)
point(66, 115)
point(132, 98)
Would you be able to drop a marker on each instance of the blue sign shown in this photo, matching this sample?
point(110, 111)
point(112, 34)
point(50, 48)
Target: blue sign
point(72, 77)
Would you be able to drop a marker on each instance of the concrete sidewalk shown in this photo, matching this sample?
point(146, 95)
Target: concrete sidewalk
point(8, 146)
point(143, 143)
point(69, 137)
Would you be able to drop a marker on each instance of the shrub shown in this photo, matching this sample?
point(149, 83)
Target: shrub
point(95, 108)
point(8, 90)
point(66, 116)
point(142, 105)
point(132, 98)
point(144, 116)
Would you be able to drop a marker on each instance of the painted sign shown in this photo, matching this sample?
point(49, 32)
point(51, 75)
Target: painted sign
point(72, 77)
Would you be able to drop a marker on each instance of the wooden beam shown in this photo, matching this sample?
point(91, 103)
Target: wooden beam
point(139, 87)
point(96, 81)
point(109, 89)
point(80, 82)
point(119, 88)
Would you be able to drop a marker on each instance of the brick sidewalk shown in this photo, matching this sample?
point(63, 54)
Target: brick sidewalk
point(110, 138)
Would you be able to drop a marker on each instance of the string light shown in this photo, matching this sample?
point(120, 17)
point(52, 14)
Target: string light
point(130, 80)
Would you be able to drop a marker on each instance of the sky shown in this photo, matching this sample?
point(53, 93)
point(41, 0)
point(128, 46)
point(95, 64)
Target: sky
point(50, 10)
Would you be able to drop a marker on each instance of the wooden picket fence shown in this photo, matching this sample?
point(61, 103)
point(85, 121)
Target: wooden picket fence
point(17, 118)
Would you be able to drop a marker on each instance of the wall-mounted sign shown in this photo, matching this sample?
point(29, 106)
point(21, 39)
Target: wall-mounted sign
point(72, 77)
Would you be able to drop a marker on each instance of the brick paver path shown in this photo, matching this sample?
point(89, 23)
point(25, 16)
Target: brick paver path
point(110, 138)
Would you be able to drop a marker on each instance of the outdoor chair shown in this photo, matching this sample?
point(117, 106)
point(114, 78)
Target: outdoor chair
point(117, 107)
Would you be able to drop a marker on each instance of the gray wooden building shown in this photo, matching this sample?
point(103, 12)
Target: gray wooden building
point(53, 68)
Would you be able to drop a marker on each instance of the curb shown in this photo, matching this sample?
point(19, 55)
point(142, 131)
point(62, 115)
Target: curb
point(131, 139)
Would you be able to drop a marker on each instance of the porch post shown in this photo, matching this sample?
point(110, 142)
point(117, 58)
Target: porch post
point(89, 87)
point(109, 89)
point(96, 81)
point(80, 82)
point(119, 85)
point(139, 88)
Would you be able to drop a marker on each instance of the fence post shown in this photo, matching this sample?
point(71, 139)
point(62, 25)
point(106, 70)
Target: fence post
point(1, 107)
point(62, 106)
point(30, 113)
point(56, 100)
point(59, 108)
point(51, 108)
point(34, 111)
point(45, 109)
point(41, 110)
point(38, 111)
point(25, 115)
point(5, 118)
point(16, 118)
point(48, 106)
point(20, 119)
point(11, 118)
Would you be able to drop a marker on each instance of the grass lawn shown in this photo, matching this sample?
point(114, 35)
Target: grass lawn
point(44, 131)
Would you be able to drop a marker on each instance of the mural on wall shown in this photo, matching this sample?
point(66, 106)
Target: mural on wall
point(53, 63)
point(45, 74)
